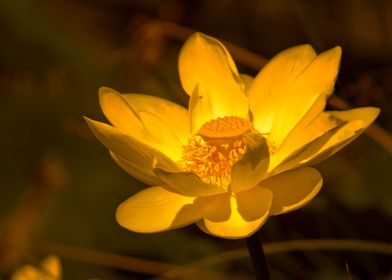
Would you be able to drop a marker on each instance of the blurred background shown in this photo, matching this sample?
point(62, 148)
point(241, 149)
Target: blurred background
point(59, 187)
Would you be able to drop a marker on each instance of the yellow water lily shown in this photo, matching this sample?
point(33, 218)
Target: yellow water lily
point(241, 151)
point(49, 269)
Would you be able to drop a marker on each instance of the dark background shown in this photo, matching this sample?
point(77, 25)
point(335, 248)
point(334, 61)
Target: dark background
point(59, 188)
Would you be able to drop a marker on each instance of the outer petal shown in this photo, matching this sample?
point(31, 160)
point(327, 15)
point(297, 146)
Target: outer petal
point(354, 122)
point(144, 126)
point(186, 183)
point(129, 149)
point(135, 169)
point(272, 84)
point(303, 135)
point(156, 209)
point(52, 266)
point(292, 189)
point(314, 83)
point(204, 61)
point(238, 216)
point(174, 116)
point(253, 166)
point(27, 272)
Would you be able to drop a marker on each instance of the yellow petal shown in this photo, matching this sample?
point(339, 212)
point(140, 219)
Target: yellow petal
point(51, 265)
point(144, 126)
point(27, 272)
point(129, 148)
point(120, 113)
point(167, 141)
point(354, 123)
point(186, 183)
point(301, 136)
point(156, 209)
point(314, 83)
point(273, 83)
point(247, 80)
point(204, 61)
point(173, 115)
point(292, 189)
point(253, 165)
point(200, 109)
point(137, 170)
point(248, 210)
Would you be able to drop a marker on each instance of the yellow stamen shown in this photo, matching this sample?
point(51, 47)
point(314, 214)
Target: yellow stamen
point(215, 148)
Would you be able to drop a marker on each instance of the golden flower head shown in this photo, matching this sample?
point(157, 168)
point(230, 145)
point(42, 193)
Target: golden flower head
point(241, 151)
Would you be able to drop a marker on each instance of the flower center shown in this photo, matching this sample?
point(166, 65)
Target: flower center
point(215, 148)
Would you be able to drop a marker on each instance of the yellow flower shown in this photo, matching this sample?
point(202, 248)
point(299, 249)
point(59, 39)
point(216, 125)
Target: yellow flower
point(49, 269)
point(241, 151)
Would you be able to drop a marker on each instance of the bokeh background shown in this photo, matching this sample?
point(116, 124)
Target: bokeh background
point(59, 188)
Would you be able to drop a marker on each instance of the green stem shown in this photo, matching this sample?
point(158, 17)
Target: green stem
point(257, 256)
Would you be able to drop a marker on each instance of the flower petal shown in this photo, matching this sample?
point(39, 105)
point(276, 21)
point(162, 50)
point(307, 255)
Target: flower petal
point(173, 115)
point(248, 211)
point(156, 209)
point(120, 113)
point(135, 169)
point(253, 165)
point(204, 61)
point(51, 265)
point(143, 126)
point(186, 183)
point(354, 122)
point(301, 136)
point(314, 83)
point(272, 84)
point(200, 109)
point(128, 148)
point(293, 189)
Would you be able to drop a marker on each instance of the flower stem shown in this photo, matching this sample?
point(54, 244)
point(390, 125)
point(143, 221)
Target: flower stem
point(257, 256)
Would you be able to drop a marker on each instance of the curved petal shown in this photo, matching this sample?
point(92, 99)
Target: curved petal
point(143, 126)
point(173, 115)
point(204, 61)
point(303, 135)
point(315, 82)
point(186, 183)
point(135, 169)
point(129, 148)
point(292, 189)
point(200, 109)
point(247, 80)
point(52, 266)
point(253, 165)
point(247, 210)
point(354, 122)
point(27, 272)
point(273, 83)
point(120, 113)
point(156, 209)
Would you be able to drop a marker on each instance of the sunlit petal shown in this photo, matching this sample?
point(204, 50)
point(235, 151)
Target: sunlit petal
point(273, 83)
point(155, 209)
point(354, 122)
point(204, 61)
point(292, 189)
point(174, 116)
point(144, 126)
point(253, 165)
point(185, 183)
point(127, 147)
point(138, 170)
point(247, 211)
point(316, 81)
